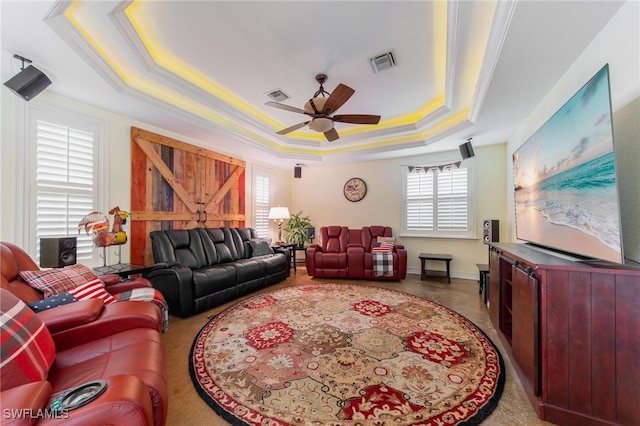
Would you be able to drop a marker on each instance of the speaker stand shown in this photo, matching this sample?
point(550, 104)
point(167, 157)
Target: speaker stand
point(119, 253)
point(104, 256)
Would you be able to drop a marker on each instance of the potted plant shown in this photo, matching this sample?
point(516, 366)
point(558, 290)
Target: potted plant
point(296, 231)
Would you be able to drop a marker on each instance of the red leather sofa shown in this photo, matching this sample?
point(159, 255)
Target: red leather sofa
point(105, 320)
point(34, 371)
point(119, 343)
point(348, 253)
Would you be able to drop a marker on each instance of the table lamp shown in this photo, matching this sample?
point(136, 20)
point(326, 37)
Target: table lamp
point(279, 214)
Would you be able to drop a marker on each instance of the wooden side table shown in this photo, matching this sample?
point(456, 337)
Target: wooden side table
point(424, 273)
point(124, 269)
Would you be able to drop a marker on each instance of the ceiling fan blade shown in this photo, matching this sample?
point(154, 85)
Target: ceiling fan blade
point(337, 98)
point(331, 135)
point(357, 118)
point(285, 107)
point(292, 128)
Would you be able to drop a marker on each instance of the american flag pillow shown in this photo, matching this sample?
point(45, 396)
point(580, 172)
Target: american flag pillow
point(28, 350)
point(55, 281)
point(382, 247)
point(92, 290)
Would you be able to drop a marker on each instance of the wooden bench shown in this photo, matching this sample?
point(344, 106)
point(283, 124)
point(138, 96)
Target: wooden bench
point(424, 273)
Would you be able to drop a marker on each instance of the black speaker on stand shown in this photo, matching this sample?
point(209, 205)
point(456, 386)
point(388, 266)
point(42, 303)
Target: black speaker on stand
point(490, 231)
point(311, 233)
point(57, 252)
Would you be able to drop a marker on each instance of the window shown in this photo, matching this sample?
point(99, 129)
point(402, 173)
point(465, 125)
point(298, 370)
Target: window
point(438, 201)
point(63, 179)
point(261, 183)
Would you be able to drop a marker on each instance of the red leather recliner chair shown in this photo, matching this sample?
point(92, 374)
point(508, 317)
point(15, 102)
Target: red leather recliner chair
point(34, 371)
point(361, 259)
point(90, 317)
point(348, 253)
point(328, 258)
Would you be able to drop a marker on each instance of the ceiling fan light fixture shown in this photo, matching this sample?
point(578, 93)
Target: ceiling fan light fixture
point(321, 124)
point(318, 102)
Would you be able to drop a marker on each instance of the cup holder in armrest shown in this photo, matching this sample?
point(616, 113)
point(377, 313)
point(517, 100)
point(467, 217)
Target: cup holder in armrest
point(78, 396)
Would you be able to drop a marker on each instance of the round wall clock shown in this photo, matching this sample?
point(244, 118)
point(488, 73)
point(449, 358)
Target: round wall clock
point(355, 189)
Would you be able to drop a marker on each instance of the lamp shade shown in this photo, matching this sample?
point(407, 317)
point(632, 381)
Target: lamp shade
point(279, 213)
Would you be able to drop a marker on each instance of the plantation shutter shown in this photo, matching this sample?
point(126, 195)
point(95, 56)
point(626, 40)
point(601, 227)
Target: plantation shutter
point(261, 214)
point(65, 183)
point(420, 201)
point(438, 201)
point(452, 200)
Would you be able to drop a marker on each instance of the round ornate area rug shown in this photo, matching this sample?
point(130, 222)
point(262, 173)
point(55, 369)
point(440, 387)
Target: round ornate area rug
point(342, 354)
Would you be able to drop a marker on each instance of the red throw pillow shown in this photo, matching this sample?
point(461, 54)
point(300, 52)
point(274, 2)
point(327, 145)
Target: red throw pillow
point(92, 290)
point(55, 281)
point(27, 347)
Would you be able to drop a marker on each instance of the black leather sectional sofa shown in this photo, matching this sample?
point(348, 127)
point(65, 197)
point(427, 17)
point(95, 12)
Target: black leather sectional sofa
point(211, 266)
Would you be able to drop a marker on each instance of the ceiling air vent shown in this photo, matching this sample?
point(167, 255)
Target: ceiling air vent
point(383, 62)
point(277, 95)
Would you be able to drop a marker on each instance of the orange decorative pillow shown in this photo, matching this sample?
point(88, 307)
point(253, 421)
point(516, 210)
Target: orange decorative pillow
point(55, 281)
point(92, 290)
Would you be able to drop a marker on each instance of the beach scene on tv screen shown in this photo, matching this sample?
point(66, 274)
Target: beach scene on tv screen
point(565, 181)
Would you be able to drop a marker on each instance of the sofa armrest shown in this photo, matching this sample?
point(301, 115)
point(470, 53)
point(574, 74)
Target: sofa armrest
point(125, 401)
point(16, 404)
point(71, 315)
point(176, 285)
point(355, 260)
point(115, 318)
point(128, 284)
point(110, 279)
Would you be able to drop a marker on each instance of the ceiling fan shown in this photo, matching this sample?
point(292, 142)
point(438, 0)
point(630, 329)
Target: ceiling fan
point(320, 108)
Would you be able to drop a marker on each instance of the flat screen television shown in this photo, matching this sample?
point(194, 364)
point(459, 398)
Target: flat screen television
point(566, 195)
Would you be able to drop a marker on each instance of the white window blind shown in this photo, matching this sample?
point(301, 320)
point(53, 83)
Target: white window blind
point(65, 183)
point(63, 161)
point(438, 202)
point(261, 204)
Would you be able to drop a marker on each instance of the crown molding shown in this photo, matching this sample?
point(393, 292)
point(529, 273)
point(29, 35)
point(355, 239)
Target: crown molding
point(497, 36)
point(57, 20)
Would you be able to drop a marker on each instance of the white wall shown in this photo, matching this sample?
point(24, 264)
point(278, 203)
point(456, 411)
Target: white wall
point(119, 162)
point(319, 194)
point(618, 44)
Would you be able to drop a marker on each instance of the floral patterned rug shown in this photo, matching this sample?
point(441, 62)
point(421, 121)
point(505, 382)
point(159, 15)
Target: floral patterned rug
point(342, 354)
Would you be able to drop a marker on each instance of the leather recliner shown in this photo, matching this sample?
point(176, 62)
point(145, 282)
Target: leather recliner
point(348, 253)
point(34, 370)
point(361, 258)
point(328, 258)
point(99, 320)
point(212, 266)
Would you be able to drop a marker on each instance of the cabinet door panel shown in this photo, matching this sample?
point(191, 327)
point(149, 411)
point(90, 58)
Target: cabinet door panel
point(494, 288)
point(525, 325)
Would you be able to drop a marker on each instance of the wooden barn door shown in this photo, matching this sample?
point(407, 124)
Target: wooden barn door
point(175, 185)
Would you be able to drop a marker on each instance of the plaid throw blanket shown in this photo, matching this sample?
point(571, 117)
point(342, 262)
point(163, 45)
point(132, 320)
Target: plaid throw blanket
point(382, 263)
point(148, 294)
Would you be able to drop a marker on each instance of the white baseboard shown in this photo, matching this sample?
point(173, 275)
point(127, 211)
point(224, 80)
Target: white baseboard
point(461, 275)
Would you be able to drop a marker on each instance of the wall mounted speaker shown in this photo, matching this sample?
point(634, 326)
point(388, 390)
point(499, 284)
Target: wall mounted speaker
point(466, 150)
point(490, 231)
point(311, 233)
point(28, 83)
point(297, 172)
point(57, 252)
